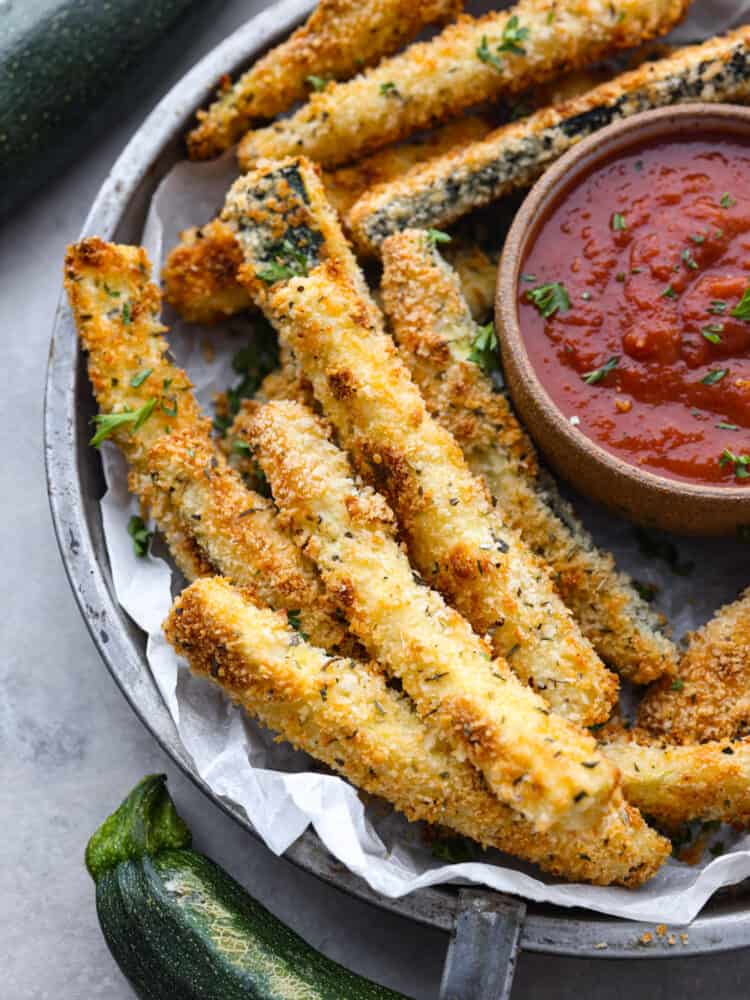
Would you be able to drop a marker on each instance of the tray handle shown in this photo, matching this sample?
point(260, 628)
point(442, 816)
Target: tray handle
point(481, 959)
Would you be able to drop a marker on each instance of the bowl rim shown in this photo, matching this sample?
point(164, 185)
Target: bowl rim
point(723, 924)
point(554, 183)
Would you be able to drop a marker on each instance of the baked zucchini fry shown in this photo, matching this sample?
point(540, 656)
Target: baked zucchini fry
point(438, 193)
point(209, 519)
point(710, 699)
point(471, 61)
point(200, 273)
point(457, 540)
point(345, 715)
point(339, 39)
point(674, 785)
point(535, 761)
point(432, 324)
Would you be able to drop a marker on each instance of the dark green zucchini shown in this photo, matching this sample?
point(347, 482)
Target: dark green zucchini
point(181, 929)
point(59, 59)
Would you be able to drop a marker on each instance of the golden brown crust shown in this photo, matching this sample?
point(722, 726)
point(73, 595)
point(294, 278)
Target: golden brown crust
point(436, 80)
point(209, 519)
point(347, 717)
point(439, 192)
point(200, 274)
point(710, 698)
point(531, 759)
point(432, 324)
point(456, 539)
point(677, 784)
point(339, 39)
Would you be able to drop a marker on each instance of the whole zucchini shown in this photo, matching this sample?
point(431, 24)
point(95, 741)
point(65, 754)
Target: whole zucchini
point(58, 60)
point(181, 929)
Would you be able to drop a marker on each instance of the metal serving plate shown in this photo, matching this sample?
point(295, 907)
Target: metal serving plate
point(75, 485)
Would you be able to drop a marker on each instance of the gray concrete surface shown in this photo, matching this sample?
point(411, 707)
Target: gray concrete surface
point(70, 747)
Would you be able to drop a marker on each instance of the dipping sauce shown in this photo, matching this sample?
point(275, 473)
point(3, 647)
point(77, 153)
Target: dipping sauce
point(634, 304)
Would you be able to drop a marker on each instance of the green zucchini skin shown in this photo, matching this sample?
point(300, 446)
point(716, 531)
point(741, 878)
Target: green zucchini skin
point(59, 59)
point(181, 929)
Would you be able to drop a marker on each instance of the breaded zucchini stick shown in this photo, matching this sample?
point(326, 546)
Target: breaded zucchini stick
point(533, 760)
point(437, 193)
point(432, 324)
point(457, 539)
point(710, 699)
point(339, 39)
point(209, 519)
point(345, 715)
point(200, 274)
point(471, 61)
point(674, 785)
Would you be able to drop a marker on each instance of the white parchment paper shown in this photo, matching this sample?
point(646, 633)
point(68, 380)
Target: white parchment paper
point(283, 791)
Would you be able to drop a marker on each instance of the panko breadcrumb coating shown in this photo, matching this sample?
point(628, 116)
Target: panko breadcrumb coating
point(439, 192)
point(209, 519)
point(535, 761)
point(710, 698)
point(675, 785)
point(339, 39)
point(344, 714)
point(471, 61)
point(299, 266)
point(200, 273)
point(432, 324)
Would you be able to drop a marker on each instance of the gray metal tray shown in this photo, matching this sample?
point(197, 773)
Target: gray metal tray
point(486, 928)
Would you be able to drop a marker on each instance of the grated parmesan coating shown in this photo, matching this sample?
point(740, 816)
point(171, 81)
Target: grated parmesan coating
point(210, 521)
point(457, 540)
point(533, 760)
point(433, 326)
point(675, 785)
point(344, 714)
point(200, 273)
point(710, 699)
point(437, 193)
point(471, 61)
point(339, 39)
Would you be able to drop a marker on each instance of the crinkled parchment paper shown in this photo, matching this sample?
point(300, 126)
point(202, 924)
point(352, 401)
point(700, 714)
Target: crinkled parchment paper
point(283, 791)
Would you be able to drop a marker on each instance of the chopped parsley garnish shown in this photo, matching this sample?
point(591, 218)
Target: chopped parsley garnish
point(727, 201)
point(140, 534)
point(698, 238)
point(317, 82)
point(740, 463)
point(678, 684)
point(598, 374)
point(669, 293)
point(742, 309)
point(293, 617)
point(138, 380)
point(169, 406)
point(240, 447)
point(513, 35)
point(714, 376)
point(290, 263)
point(435, 236)
point(712, 332)
point(529, 278)
point(389, 89)
point(718, 307)
point(253, 362)
point(550, 298)
point(107, 423)
point(112, 292)
point(689, 260)
point(618, 222)
point(127, 315)
point(484, 348)
point(454, 849)
point(658, 548)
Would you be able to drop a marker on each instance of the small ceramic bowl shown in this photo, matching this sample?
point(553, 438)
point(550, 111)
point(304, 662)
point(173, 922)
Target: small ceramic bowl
point(641, 496)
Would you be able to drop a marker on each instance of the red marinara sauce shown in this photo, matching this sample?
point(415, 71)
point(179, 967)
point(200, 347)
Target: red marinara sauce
point(634, 304)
